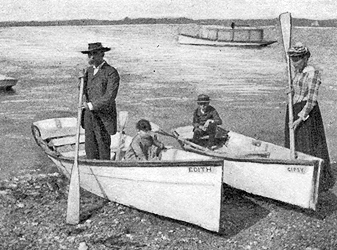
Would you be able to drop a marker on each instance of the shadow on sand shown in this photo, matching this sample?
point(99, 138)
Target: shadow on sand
point(238, 212)
point(7, 91)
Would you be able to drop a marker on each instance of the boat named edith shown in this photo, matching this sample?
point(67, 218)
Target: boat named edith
point(201, 169)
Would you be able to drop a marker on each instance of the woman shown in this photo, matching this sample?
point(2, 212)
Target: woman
point(144, 146)
point(308, 123)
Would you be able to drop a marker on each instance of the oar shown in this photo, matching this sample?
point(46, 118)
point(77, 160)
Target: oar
point(73, 208)
point(157, 129)
point(123, 118)
point(286, 24)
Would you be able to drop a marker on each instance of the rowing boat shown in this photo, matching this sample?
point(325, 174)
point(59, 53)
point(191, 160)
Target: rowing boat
point(180, 185)
point(7, 82)
point(262, 168)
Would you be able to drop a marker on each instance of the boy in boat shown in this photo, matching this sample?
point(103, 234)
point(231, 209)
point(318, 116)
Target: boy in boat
point(144, 146)
point(205, 121)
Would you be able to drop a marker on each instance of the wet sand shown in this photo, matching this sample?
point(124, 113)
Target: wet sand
point(160, 81)
point(24, 105)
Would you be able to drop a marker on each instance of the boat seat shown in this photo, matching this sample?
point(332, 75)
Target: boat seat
point(67, 140)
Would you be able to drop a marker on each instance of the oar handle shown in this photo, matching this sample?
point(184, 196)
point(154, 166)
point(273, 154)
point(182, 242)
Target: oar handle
point(286, 26)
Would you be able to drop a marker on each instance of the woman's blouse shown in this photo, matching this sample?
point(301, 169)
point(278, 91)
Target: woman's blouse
point(305, 86)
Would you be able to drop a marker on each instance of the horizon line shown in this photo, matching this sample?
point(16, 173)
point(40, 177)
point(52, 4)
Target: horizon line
point(194, 19)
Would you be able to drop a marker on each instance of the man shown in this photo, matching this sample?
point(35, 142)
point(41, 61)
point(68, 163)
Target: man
point(101, 82)
point(205, 121)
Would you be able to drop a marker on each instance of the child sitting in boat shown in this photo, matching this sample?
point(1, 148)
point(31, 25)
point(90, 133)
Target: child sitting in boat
point(205, 121)
point(144, 146)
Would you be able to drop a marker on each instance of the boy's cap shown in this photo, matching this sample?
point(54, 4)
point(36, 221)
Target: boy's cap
point(203, 98)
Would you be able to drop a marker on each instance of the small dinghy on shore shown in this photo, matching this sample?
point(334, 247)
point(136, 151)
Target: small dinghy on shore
point(7, 82)
point(262, 168)
point(180, 185)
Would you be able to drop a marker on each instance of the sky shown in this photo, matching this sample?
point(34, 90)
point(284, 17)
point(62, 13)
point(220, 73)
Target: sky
point(47, 10)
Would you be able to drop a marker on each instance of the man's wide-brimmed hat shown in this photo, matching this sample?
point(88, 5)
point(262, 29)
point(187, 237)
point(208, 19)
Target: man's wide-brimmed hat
point(298, 50)
point(203, 98)
point(95, 47)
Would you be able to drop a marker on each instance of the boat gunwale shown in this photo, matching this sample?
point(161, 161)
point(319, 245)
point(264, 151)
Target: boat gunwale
point(42, 143)
point(151, 164)
point(258, 160)
point(217, 159)
point(254, 43)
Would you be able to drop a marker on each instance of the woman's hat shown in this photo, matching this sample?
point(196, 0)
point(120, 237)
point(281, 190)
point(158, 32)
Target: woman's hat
point(95, 47)
point(203, 98)
point(298, 50)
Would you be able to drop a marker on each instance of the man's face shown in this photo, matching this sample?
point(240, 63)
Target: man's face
point(95, 58)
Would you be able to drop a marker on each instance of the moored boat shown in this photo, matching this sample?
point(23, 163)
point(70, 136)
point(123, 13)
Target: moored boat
point(7, 82)
point(180, 185)
point(262, 168)
point(236, 37)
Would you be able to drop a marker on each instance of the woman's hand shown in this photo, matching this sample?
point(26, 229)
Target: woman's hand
point(289, 90)
point(296, 123)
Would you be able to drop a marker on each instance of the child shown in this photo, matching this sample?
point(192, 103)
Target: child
point(143, 144)
point(205, 121)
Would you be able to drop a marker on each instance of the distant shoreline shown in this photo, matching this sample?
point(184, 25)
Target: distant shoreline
point(224, 22)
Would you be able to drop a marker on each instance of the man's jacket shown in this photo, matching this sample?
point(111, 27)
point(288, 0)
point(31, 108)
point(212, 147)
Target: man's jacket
point(101, 90)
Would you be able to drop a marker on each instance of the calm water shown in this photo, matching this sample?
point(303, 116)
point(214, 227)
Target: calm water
point(160, 78)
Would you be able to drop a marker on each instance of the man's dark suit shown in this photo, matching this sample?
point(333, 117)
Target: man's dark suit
point(101, 90)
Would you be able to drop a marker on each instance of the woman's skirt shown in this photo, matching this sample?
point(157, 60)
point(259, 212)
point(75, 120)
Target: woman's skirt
point(310, 139)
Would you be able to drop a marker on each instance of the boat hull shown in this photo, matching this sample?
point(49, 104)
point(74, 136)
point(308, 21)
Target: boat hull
point(7, 82)
point(185, 190)
point(190, 40)
point(273, 175)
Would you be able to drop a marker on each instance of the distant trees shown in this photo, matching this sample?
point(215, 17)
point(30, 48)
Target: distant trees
point(180, 20)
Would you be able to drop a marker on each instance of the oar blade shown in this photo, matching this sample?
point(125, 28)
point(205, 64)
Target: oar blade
point(155, 127)
point(123, 118)
point(73, 206)
point(286, 25)
point(73, 209)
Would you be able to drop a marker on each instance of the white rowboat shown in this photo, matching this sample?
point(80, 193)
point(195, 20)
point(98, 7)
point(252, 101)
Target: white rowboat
point(182, 185)
point(263, 168)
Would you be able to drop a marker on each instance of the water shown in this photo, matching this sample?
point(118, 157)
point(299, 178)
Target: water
point(161, 79)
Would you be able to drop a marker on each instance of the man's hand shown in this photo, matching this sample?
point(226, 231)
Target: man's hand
point(82, 73)
point(85, 105)
point(203, 128)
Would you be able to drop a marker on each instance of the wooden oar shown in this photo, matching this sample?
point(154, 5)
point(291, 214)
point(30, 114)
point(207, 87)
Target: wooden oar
point(73, 208)
point(286, 25)
point(123, 118)
point(157, 129)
